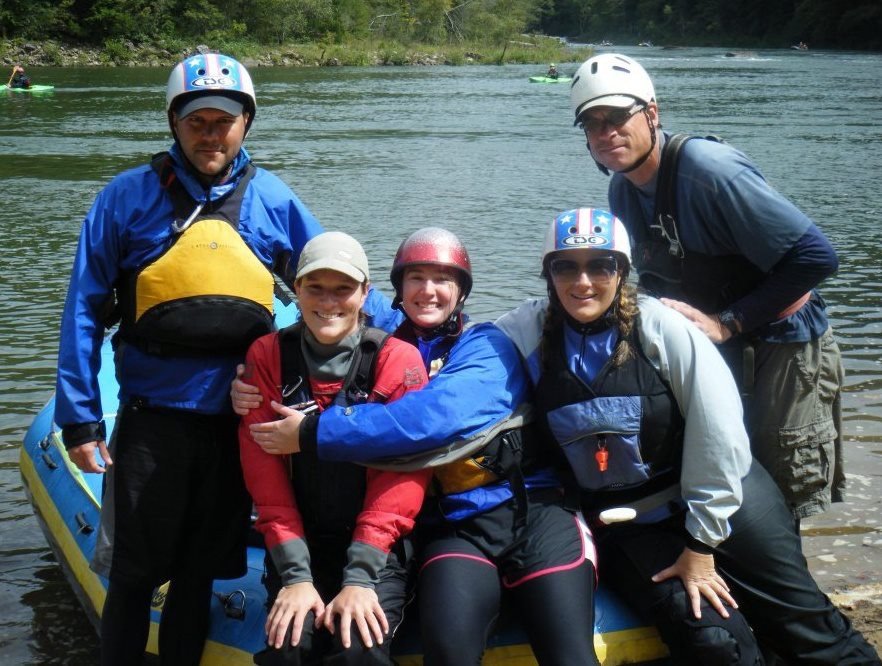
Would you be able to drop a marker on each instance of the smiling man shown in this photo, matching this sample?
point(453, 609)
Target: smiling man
point(182, 252)
point(717, 243)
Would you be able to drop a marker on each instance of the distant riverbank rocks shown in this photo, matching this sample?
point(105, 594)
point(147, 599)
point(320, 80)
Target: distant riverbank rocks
point(124, 53)
point(52, 54)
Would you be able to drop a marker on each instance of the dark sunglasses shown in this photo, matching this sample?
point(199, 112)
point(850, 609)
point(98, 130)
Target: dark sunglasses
point(599, 270)
point(615, 118)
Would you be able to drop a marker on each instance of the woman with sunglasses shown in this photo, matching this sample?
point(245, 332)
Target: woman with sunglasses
point(689, 529)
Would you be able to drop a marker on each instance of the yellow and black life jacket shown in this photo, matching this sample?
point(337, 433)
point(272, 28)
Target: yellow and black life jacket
point(207, 293)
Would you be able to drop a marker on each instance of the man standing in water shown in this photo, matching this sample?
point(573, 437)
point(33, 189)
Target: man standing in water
point(181, 250)
point(738, 259)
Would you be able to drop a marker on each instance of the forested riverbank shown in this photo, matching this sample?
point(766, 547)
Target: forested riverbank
point(522, 49)
point(370, 32)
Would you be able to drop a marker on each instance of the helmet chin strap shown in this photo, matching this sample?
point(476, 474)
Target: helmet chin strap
point(641, 160)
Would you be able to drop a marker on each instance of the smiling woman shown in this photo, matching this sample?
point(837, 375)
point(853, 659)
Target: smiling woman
point(337, 554)
point(432, 274)
point(330, 290)
point(648, 418)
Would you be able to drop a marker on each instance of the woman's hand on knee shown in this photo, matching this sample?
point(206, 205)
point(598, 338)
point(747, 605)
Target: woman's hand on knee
point(292, 605)
point(700, 578)
point(361, 606)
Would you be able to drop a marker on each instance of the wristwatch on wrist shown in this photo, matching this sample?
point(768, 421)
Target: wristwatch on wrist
point(729, 320)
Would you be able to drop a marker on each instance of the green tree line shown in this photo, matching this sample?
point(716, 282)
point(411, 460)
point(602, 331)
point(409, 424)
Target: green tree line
point(265, 21)
point(852, 24)
point(832, 24)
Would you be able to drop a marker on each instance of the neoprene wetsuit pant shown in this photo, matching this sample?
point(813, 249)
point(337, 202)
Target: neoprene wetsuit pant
point(318, 646)
point(768, 576)
point(543, 568)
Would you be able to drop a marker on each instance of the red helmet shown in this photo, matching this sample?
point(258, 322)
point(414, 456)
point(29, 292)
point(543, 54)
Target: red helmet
point(436, 246)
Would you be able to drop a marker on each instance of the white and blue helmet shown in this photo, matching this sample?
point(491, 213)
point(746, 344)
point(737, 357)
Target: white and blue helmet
point(591, 228)
point(210, 74)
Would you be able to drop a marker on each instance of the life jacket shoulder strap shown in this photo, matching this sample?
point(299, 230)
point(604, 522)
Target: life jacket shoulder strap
point(161, 163)
point(665, 215)
point(359, 380)
point(295, 378)
point(183, 204)
point(666, 192)
point(361, 377)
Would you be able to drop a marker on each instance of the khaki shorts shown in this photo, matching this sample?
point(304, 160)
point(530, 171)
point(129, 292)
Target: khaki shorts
point(794, 420)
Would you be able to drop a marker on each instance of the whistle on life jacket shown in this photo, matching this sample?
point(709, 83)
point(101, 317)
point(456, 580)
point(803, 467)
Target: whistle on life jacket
point(601, 455)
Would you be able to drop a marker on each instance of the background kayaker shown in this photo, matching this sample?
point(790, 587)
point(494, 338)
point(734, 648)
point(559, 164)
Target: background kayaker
point(497, 528)
point(334, 531)
point(181, 250)
point(740, 261)
point(18, 78)
point(649, 419)
point(552, 72)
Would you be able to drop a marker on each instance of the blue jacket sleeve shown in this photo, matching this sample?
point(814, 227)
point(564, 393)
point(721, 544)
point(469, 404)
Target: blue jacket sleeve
point(378, 308)
point(276, 224)
point(481, 383)
point(95, 269)
point(810, 260)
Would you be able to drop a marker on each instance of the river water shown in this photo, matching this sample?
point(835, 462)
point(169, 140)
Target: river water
point(379, 152)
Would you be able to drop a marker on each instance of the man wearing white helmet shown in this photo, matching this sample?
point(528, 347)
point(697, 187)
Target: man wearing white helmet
point(180, 252)
point(720, 245)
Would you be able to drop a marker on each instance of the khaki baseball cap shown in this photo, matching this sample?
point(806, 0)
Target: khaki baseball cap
point(336, 251)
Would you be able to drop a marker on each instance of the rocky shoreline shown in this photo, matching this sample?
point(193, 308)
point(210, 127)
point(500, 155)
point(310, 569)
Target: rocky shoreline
point(128, 54)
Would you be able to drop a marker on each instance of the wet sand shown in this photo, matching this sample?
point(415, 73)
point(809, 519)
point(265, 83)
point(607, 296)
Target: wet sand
point(843, 546)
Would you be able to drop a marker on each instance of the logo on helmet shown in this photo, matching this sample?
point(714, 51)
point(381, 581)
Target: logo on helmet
point(578, 241)
point(209, 81)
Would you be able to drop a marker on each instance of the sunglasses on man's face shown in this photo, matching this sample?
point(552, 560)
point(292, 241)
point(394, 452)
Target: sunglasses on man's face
point(600, 270)
point(615, 119)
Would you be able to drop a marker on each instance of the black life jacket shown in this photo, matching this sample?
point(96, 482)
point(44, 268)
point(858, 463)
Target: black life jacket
point(666, 268)
point(629, 412)
point(207, 293)
point(330, 495)
point(20, 80)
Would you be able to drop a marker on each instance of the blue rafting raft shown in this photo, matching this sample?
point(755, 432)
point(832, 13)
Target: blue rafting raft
point(67, 504)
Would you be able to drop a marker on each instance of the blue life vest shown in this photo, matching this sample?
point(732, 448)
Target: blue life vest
point(622, 434)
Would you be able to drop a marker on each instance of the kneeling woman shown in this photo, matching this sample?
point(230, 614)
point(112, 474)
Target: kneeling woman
point(650, 420)
point(333, 531)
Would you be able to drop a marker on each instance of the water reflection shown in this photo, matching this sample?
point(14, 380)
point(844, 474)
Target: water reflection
point(59, 631)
